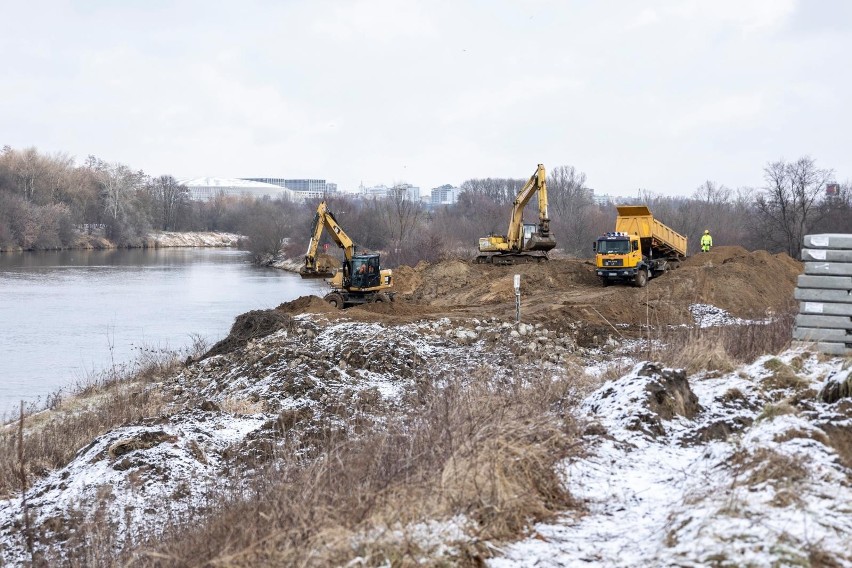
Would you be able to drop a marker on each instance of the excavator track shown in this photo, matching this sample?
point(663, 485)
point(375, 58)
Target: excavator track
point(510, 259)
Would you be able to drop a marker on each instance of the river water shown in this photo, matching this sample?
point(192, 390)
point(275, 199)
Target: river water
point(66, 315)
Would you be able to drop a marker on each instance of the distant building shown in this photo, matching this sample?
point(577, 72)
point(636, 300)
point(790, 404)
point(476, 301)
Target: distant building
point(601, 199)
point(205, 189)
point(405, 190)
point(374, 191)
point(302, 188)
point(412, 192)
point(445, 195)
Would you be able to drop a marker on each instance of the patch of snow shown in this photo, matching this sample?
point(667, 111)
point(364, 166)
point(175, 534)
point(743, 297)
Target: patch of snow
point(674, 500)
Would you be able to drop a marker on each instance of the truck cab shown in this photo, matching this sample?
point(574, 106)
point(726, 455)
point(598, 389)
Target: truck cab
point(619, 258)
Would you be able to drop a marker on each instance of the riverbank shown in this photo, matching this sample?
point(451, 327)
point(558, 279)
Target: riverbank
point(156, 239)
point(456, 440)
point(434, 430)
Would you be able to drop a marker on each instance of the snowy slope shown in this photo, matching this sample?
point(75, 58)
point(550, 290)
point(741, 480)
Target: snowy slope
point(680, 500)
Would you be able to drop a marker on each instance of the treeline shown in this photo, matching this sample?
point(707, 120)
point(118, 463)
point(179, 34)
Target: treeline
point(47, 201)
point(793, 202)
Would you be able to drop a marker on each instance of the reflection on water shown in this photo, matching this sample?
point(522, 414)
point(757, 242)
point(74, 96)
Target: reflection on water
point(67, 314)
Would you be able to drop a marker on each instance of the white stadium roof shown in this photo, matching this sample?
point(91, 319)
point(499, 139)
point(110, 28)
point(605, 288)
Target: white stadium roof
point(205, 188)
point(226, 182)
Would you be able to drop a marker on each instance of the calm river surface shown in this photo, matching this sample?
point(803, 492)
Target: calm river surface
point(64, 315)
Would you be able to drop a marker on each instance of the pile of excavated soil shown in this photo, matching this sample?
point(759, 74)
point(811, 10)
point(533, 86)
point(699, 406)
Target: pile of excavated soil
point(398, 310)
point(746, 284)
point(562, 292)
point(248, 326)
point(406, 279)
point(306, 304)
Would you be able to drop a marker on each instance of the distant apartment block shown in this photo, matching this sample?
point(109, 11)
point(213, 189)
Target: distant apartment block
point(412, 192)
point(375, 191)
point(601, 200)
point(445, 195)
point(406, 190)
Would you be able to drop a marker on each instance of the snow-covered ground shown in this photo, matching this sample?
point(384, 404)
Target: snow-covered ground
point(772, 494)
point(708, 315)
point(710, 469)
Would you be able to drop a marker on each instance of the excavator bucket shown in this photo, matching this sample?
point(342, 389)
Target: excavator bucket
point(319, 272)
point(325, 266)
point(540, 242)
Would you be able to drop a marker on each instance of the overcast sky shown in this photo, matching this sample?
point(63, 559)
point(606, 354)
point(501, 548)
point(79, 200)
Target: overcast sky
point(660, 95)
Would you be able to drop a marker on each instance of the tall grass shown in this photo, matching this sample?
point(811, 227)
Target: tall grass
point(467, 449)
point(102, 401)
point(720, 348)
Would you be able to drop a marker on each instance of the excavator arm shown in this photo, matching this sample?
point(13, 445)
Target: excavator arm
point(536, 183)
point(324, 219)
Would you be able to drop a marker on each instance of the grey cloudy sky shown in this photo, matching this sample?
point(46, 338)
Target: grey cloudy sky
point(660, 95)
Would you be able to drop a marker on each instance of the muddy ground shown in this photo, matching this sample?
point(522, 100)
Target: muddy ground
point(563, 293)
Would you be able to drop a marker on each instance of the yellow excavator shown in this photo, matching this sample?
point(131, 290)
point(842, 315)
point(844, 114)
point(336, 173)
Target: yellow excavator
point(524, 242)
point(360, 279)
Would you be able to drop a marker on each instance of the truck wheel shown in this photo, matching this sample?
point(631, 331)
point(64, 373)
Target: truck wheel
point(605, 281)
point(335, 300)
point(641, 278)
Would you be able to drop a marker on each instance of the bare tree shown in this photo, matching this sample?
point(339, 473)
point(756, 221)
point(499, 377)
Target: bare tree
point(788, 206)
point(571, 206)
point(500, 190)
point(118, 186)
point(400, 215)
point(837, 210)
point(168, 196)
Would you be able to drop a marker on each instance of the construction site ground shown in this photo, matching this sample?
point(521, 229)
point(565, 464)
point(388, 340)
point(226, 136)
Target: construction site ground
point(562, 293)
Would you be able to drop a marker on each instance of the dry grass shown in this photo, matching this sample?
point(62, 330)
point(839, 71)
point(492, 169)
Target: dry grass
point(468, 449)
point(765, 466)
point(723, 348)
point(53, 436)
point(242, 406)
point(782, 377)
point(770, 411)
point(840, 438)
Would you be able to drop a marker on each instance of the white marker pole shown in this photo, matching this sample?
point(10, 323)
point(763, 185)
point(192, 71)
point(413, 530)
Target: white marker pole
point(517, 298)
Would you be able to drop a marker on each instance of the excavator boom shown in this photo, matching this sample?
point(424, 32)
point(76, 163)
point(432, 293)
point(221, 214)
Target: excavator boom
point(314, 267)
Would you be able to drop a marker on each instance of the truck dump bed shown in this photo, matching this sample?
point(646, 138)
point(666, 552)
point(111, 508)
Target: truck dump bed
point(637, 219)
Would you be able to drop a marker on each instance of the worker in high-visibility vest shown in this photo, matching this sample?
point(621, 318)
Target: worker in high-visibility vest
point(706, 241)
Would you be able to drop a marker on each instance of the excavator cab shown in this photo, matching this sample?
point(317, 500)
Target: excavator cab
point(364, 271)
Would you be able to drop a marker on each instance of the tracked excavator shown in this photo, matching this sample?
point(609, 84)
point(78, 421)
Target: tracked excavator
point(359, 280)
point(524, 242)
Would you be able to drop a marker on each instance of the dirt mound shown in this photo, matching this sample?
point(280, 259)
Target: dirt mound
point(460, 283)
point(749, 285)
point(248, 326)
point(306, 305)
point(406, 279)
point(717, 256)
point(397, 308)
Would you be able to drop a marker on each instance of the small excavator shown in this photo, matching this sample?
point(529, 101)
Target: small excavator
point(360, 279)
point(524, 242)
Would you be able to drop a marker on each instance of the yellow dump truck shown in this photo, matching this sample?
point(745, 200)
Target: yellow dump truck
point(640, 248)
